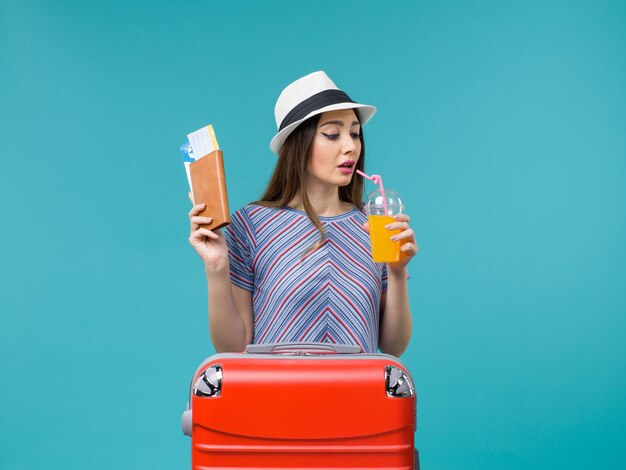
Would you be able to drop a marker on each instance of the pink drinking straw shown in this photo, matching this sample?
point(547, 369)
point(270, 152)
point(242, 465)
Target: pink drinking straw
point(377, 179)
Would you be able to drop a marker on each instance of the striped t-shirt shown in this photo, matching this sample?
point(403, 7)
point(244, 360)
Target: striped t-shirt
point(330, 295)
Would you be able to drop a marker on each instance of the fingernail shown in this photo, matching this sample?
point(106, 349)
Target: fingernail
point(387, 226)
point(394, 238)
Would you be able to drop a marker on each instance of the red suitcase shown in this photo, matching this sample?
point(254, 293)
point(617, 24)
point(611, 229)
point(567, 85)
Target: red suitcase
point(301, 406)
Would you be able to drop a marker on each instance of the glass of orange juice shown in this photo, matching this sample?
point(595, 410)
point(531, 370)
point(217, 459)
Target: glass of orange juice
point(380, 213)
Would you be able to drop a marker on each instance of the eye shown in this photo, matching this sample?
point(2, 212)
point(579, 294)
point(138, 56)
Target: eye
point(331, 136)
point(355, 135)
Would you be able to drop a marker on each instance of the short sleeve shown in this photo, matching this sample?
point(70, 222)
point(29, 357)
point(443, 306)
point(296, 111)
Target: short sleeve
point(239, 237)
point(384, 279)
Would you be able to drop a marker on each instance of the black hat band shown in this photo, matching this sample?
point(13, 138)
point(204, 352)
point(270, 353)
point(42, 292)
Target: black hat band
point(317, 101)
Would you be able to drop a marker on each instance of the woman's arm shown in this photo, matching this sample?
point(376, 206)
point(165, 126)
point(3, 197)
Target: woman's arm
point(396, 324)
point(230, 313)
point(230, 307)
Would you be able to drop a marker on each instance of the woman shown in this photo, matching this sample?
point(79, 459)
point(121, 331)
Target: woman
point(295, 265)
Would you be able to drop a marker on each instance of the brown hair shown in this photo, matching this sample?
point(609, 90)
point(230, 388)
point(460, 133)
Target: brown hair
point(288, 179)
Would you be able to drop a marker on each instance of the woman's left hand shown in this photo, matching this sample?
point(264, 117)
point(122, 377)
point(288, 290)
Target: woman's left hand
point(408, 245)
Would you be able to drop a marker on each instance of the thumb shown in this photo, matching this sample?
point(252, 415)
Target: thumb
point(366, 227)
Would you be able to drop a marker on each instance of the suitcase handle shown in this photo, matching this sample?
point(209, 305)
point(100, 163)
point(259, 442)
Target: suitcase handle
point(302, 348)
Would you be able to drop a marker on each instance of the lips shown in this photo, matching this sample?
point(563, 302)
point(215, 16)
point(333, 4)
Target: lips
point(346, 167)
point(348, 164)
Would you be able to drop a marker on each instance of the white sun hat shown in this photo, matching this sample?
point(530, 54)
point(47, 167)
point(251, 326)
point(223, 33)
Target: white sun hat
point(310, 95)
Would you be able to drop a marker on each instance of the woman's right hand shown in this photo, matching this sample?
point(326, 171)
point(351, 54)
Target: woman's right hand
point(209, 244)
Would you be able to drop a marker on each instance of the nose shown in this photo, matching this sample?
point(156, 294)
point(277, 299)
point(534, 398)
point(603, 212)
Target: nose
point(348, 144)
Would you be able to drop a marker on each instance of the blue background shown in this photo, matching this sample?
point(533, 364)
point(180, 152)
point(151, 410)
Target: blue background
point(502, 124)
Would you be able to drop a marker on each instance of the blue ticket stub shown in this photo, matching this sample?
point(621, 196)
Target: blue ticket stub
point(187, 152)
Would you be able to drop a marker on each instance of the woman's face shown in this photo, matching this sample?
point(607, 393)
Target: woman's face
point(336, 148)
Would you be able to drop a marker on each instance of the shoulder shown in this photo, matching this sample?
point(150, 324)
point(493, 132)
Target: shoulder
point(359, 214)
point(241, 224)
point(255, 212)
point(356, 215)
point(252, 216)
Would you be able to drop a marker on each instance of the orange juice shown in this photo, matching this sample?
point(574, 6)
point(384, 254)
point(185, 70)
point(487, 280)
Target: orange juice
point(384, 250)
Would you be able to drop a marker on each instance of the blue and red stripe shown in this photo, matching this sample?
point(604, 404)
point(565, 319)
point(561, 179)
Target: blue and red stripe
point(332, 294)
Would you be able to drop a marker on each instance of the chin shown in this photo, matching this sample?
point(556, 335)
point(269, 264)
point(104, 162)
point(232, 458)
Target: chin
point(344, 180)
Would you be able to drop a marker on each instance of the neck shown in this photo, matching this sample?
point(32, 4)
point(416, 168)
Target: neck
point(325, 201)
